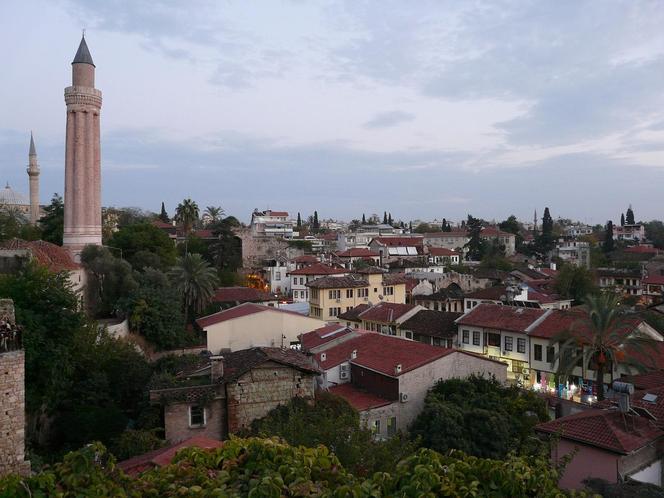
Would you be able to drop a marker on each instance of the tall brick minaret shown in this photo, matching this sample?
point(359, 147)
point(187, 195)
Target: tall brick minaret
point(82, 157)
point(33, 174)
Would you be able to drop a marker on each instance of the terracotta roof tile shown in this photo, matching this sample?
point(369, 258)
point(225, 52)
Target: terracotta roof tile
point(442, 251)
point(323, 335)
point(319, 269)
point(399, 241)
point(238, 363)
point(604, 429)
point(386, 312)
point(432, 323)
point(51, 256)
point(242, 310)
point(241, 295)
point(359, 399)
point(353, 315)
point(496, 316)
point(343, 282)
point(357, 252)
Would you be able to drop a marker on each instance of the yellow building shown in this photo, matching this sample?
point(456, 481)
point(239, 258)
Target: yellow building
point(331, 296)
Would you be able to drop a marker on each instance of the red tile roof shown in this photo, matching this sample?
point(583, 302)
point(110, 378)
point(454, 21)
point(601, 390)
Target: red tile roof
point(353, 315)
point(495, 293)
point(239, 362)
point(241, 295)
point(319, 269)
point(240, 311)
point(386, 312)
point(306, 258)
point(604, 429)
point(357, 252)
point(648, 380)
point(341, 282)
point(496, 316)
point(164, 456)
point(323, 335)
point(442, 251)
point(642, 250)
point(163, 225)
point(359, 399)
point(654, 280)
point(275, 213)
point(51, 256)
point(558, 321)
point(382, 353)
point(399, 241)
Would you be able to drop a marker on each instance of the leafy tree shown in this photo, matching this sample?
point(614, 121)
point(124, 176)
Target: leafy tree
point(15, 224)
point(494, 257)
point(331, 421)
point(425, 228)
point(575, 282)
point(154, 310)
point(53, 221)
point(110, 280)
point(479, 416)
point(629, 217)
point(141, 238)
point(606, 332)
point(622, 219)
point(195, 245)
point(163, 215)
point(226, 251)
point(476, 246)
point(655, 233)
point(608, 245)
point(196, 281)
point(134, 442)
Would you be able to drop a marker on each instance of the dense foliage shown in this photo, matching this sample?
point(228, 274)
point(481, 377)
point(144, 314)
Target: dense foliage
point(81, 385)
point(479, 416)
point(136, 240)
point(270, 468)
point(575, 282)
point(331, 421)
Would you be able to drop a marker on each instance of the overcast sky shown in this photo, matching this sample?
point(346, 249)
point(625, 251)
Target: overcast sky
point(424, 109)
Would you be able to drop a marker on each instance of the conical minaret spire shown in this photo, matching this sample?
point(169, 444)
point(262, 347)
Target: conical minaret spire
point(33, 178)
point(82, 156)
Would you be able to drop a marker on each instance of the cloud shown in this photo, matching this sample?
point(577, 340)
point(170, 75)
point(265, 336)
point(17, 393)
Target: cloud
point(389, 119)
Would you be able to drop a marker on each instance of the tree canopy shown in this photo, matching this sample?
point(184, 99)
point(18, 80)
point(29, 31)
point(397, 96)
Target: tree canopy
point(135, 240)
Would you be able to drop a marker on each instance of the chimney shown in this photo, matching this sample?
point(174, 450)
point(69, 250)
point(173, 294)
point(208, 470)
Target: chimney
point(216, 368)
point(353, 354)
point(397, 369)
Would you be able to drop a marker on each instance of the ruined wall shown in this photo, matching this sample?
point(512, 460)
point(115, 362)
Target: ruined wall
point(176, 421)
point(12, 404)
point(262, 389)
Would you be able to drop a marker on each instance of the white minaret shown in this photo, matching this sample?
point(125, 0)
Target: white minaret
point(82, 224)
point(33, 175)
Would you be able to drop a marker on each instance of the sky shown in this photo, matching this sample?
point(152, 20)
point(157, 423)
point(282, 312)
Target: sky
point(423, 109)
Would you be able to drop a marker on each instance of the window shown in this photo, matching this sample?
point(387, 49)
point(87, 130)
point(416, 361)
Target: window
point(520, 345)
point(509, 343)
point(277, 276)
point(391, 426)
point(335, 294)
point(537, 352)
point(466, 337)
point(196, 416)
point(375, 426)
point(493, 340)
point(349, 293)
point(362, 292)
point(476, 338)
point(334, 311)
point(388, 291)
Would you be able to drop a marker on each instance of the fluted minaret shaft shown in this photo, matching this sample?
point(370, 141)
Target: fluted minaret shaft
point(82, 225)
point(33, 175)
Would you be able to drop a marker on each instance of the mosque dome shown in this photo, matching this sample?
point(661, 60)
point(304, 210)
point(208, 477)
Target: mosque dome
point(9, 197)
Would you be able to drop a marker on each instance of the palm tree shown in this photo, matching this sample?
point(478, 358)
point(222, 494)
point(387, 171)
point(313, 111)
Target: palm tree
point(187, 214)
point(602, 338)
point(213, 213)
point(196, 280)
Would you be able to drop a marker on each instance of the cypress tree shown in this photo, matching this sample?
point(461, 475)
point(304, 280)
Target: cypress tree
point(629, 217)
point(364, 219)
point(299, 220)
point(622, 220)
point(315, 224)
point(163, 216)
point(384, 217)
point(389, 218)
point(608, 237)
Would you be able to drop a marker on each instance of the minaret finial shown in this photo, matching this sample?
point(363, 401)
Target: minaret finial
point(83, 32)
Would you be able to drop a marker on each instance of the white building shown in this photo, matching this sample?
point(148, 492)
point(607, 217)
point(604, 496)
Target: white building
point(270, 223)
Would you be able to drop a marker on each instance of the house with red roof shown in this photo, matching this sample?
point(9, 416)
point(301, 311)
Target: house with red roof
point(443, 256)
point(251, 325)
point(653, 287)
point(228, 297)
point(353, 254)
point(228, 392)
point(271, 223)
point(300, 277)
point(458, 238)
point(386, 378)
point(397, 248)
point(606, 444)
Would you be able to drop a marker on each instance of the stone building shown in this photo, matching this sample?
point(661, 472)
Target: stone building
point(12, 394)
point(231, 391)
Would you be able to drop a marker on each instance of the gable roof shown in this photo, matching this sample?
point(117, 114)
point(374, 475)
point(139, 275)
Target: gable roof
point(398, 241)
point(323, 335)
point(240, 362)
point(241, 295)
point(306, 258)
point(239, 311)
point(442, 251)
point(386, 312)
point(318, 269)
point(55, 258)
point(342, 282)
point(432, 323)
point(358, 398)
point(353, 315)
point(496, 316)
point(382, 353)
point(357, 252)
point(604, 429)
point(495, 293)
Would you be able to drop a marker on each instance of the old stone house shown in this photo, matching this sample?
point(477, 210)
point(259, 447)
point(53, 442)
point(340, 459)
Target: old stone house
point(231, 391)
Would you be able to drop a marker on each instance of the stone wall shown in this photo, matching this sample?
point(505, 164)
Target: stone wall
point(176, 421)
point(261, 390)
point(12, 413)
